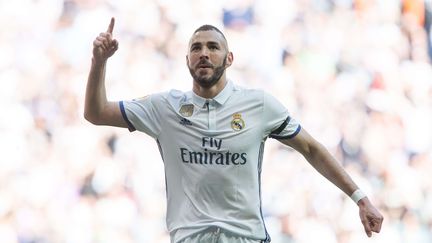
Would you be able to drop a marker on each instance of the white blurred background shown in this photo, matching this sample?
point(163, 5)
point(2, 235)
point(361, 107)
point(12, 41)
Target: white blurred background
point(357, 74)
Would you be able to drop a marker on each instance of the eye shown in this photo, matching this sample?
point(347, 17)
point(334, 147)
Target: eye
point(195, 48)
point(213, 47)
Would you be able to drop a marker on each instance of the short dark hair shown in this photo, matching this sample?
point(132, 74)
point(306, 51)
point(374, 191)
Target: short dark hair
point(208, 27)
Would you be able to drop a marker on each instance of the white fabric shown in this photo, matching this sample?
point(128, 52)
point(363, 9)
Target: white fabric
point(216, 235)
point(212, 152)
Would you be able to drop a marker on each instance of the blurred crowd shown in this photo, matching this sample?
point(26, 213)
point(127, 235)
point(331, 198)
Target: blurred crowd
point(357, 74)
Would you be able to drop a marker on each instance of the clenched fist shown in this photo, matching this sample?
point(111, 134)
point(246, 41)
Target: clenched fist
point(370, 217)
point(104, 45)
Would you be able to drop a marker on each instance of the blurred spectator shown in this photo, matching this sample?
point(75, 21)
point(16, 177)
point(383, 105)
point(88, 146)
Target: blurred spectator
point(428, 26)
point(238, 15)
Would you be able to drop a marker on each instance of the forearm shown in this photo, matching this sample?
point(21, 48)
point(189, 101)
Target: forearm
point(326, 164)
point(330, 168)
point(318, 156)
point(95, 97)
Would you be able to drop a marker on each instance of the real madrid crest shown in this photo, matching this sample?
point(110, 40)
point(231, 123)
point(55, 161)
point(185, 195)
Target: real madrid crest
point(186, 110)
point(237, 122)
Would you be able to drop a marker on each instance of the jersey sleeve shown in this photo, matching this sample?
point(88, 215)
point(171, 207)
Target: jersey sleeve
point(141, 114)
point(278, 122)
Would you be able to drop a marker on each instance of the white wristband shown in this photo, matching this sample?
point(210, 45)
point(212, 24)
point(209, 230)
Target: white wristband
point(357, 195)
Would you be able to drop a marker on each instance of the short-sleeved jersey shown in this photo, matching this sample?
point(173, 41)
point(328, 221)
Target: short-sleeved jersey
point(212, 151)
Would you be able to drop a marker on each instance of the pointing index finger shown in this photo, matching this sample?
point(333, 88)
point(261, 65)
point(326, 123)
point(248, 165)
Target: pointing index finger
point(111, 26)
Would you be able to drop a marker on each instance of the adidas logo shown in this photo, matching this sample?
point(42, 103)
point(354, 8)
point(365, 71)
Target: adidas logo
point(185, 122)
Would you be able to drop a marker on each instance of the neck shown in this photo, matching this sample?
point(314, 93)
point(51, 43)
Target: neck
point(211, 92)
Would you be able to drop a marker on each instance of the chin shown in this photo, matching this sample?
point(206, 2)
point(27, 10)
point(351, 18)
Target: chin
point(204, 78)
point(203, 73)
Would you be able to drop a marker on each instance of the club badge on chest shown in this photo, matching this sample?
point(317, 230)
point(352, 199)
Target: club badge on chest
point(237, 122)
point(186, 110)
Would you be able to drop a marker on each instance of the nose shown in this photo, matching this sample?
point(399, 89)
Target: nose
point(204, 53)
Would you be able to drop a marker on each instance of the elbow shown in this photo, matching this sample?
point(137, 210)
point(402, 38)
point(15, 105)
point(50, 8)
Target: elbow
point(91, 118)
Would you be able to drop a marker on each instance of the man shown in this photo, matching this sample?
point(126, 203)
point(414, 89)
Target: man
point(211, 140)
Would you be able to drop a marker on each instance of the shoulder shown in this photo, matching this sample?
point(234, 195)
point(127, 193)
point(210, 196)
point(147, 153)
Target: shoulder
point(249, 93)
point(257, 96)
point(175, 98)
point(164, 96)
point(175, 94)
point(162, 100)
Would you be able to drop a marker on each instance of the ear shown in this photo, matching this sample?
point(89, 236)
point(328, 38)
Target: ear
point(187, 60)
point(229, 59)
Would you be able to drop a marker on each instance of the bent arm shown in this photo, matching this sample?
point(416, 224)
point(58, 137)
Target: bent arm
point(97, 109)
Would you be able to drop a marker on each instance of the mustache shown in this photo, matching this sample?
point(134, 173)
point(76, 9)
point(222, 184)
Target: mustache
point(204, 64)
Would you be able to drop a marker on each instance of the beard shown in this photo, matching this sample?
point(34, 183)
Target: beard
point(207, 82)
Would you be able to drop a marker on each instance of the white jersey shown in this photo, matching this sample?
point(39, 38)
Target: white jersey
point(212, 151)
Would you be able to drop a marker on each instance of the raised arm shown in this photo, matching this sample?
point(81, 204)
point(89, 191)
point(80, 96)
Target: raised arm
point(318, 156)
point(97, 109)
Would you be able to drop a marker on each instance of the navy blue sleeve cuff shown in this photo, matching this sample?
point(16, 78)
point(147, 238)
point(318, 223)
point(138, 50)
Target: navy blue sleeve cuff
point(123, 112)
point(288, 136)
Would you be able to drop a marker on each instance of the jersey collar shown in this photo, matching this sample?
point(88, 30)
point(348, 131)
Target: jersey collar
point(221, 98)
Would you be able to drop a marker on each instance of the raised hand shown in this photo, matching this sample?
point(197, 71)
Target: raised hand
point(104, 46)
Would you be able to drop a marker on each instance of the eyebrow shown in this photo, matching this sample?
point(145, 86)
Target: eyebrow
point(207, 43)
point(213, 43)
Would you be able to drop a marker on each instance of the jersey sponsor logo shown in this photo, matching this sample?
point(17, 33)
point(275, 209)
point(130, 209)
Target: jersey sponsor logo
point(211, 154)
point(185, 122)
point(186, 110)
point(237, 122)
point(206, 157)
